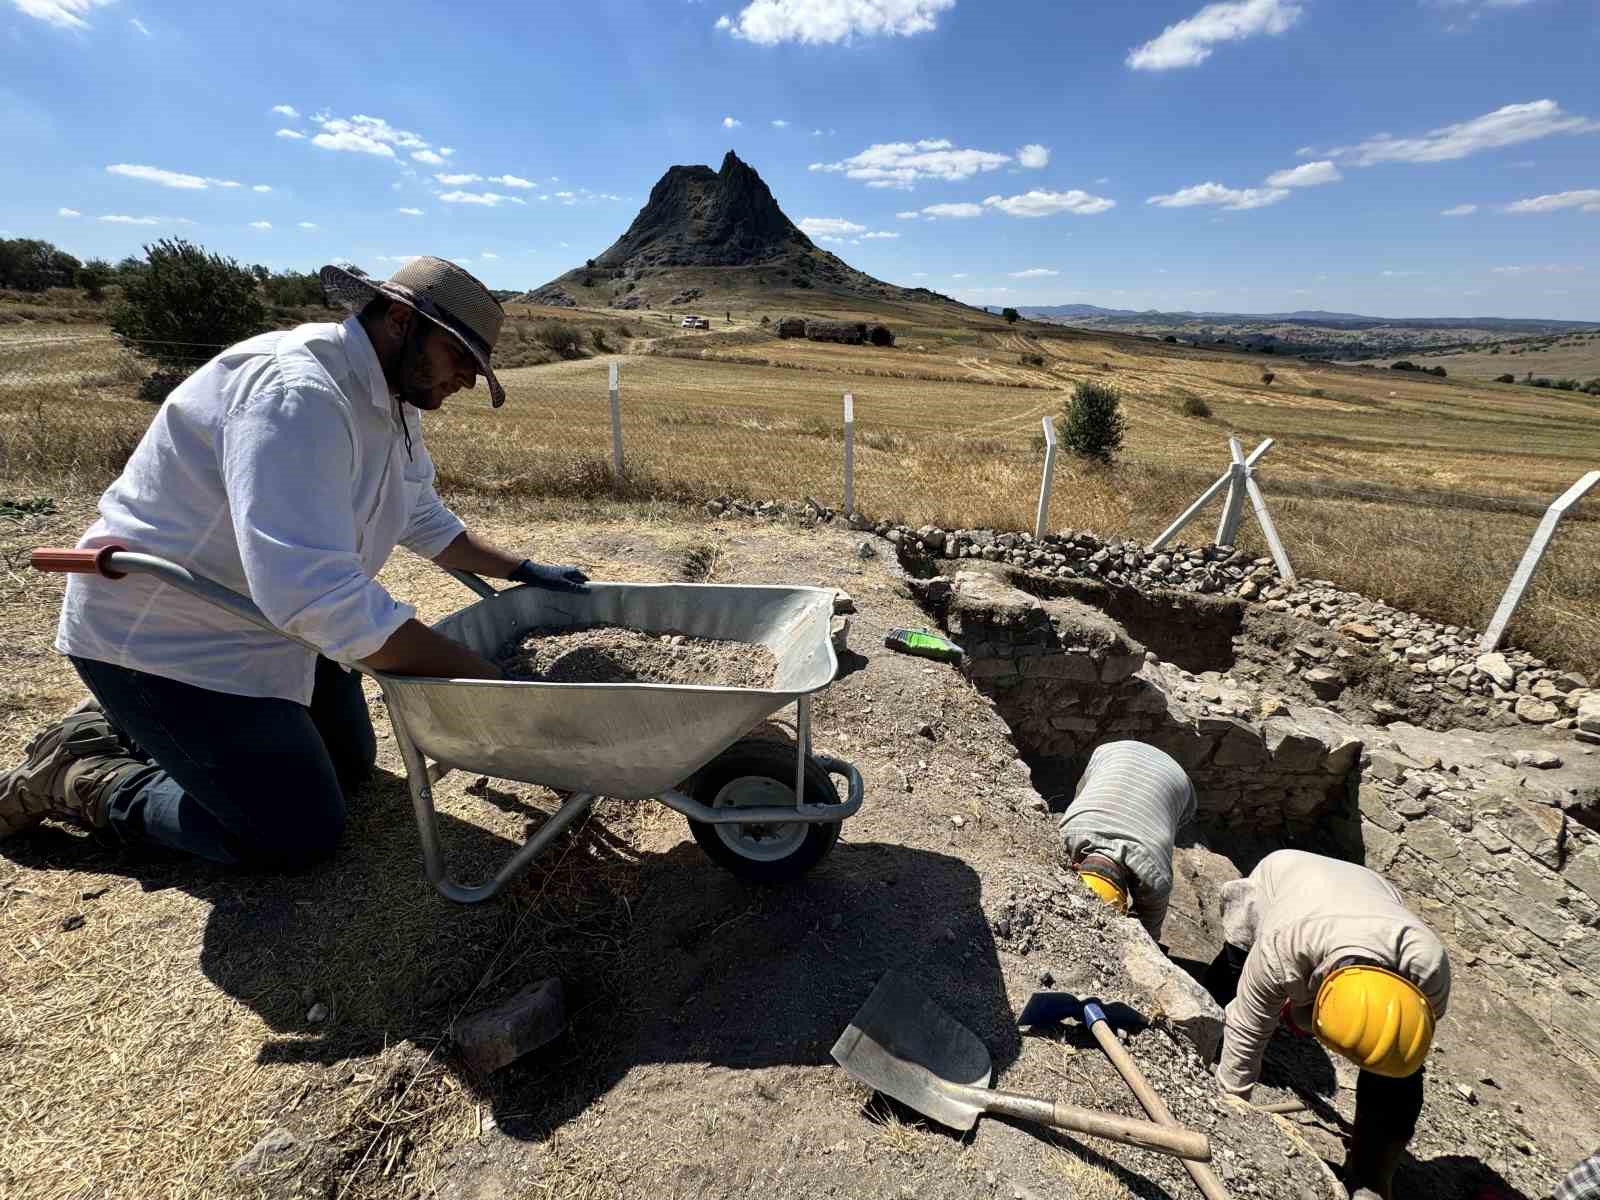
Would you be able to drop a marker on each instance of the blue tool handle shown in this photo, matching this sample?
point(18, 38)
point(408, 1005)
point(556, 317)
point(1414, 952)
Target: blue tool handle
point(1092, 1012)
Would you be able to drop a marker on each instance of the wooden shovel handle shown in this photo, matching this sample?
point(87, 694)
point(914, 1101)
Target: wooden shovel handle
point(1175, 1140)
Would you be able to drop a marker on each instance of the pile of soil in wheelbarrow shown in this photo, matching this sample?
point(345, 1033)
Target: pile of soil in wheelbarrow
point(610, 654)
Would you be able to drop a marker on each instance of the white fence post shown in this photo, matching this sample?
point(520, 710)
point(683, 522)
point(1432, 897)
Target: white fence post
point(1049, 477)
point(1228, 526)
point(616, 421)
point(849, 453)
point(1206, 496)
point(1530, 560)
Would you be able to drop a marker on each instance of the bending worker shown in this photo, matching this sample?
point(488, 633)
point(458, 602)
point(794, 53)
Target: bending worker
point(286, 468)
point(1120, 828)
point(1330, 946)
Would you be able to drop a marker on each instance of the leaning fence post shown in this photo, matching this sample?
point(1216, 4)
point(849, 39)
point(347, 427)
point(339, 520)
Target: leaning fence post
point(1228, 526)
point(616, 421)
point(1206, 496)
point(1049, 477)
point(849, 453)
point(1530, 560)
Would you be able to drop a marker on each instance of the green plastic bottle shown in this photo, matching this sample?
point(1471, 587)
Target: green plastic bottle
point(923, 644)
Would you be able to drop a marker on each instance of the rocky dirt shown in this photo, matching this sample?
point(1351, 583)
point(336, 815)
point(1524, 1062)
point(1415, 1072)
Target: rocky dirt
point(608, 654)
point(193, 1017)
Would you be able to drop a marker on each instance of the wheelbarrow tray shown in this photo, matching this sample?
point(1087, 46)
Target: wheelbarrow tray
point(630, 741)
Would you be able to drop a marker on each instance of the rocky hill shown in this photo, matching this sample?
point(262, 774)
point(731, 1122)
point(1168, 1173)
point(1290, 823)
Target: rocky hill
point(712, 239)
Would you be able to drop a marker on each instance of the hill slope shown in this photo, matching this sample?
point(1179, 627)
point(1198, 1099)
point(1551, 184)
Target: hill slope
point(718, 239)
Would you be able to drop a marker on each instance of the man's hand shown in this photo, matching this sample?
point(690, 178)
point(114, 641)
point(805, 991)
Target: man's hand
point(414, 649)
point(556, 579)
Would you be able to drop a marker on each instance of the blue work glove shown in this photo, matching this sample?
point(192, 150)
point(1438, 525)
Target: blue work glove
point(556, 579)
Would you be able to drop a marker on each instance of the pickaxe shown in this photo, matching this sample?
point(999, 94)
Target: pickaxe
point(1049, 1008)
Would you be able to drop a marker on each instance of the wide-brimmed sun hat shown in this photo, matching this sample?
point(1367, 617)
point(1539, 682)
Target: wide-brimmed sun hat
point(449, 296)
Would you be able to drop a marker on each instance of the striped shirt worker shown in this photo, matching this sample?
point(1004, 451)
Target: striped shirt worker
point(1130, 804)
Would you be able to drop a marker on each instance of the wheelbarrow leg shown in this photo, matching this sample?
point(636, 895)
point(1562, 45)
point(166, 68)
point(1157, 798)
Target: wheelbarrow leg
point(576, 806)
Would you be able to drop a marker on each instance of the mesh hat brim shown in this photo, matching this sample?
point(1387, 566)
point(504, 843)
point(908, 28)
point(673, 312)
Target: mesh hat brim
point(353, 292)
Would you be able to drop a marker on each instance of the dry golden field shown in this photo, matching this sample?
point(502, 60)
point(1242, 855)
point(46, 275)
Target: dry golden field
point(1414, 489)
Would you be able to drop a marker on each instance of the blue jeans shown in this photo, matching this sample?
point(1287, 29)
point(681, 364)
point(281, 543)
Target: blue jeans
point(236, 779)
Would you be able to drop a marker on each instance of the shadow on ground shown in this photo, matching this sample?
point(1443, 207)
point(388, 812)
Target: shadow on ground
point(665, 958)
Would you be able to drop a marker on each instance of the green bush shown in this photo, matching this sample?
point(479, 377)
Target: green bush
point(1033, 360)
point(1267, 377)
point(598, 338)
point(1011, 315)
point(563, 339)
point(29, 265)
point(1592, 388)
point(291, 289)
point(186, 305)
point(1195, 406)
point(1092, 425)
point(1505, 378)
point(1566, 385)
point(93, 277)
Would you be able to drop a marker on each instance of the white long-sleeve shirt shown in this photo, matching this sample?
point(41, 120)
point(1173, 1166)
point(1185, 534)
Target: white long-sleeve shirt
point(279, 470)
point(1131, 802)
point(1299, 914)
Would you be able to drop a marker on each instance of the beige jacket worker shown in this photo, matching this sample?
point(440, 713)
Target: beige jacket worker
point(1299, 914)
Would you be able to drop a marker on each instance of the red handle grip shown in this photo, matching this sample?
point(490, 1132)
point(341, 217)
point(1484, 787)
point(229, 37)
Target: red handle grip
point(80, 562)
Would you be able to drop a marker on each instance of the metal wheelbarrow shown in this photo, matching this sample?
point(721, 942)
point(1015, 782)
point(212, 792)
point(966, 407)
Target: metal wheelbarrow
point(760, 808)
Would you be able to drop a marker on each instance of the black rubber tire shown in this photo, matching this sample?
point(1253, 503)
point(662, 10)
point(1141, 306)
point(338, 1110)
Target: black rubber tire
point(770, 760)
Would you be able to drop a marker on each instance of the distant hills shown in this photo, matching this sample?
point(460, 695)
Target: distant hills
point(1064, 313)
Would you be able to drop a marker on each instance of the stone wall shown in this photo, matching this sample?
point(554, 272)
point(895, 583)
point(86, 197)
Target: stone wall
point(1067, 676)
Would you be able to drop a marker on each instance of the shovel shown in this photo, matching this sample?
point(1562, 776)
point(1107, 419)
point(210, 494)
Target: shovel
point(903, 1045)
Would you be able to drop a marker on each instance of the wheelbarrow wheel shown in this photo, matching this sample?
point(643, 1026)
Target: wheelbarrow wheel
point(761, 772)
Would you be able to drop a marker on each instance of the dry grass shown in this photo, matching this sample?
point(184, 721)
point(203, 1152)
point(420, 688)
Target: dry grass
point(1417, 490)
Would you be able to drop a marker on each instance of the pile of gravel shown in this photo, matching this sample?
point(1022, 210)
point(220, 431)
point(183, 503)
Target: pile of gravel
point(610, 654)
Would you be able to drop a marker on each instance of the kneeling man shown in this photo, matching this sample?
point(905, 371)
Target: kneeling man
point(1330, 946)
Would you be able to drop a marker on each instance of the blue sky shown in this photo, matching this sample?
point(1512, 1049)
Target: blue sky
point(1398, 157)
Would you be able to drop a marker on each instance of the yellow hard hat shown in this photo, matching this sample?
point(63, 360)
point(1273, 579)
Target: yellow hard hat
point(1375, 1018)
point(1107, 890)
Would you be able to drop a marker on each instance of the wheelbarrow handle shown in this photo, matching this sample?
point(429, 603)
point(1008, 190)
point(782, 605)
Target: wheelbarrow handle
point(77, 562)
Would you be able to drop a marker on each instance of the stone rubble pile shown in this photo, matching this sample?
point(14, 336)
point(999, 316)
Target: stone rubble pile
point(1442, 659)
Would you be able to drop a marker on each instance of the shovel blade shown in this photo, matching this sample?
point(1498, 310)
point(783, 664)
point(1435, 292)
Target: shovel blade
point(902, 1044)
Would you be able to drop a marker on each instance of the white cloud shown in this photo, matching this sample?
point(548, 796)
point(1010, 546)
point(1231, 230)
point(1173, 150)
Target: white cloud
point(171, 179)
point(953, 210)
point(1033, 273)
point(447, 151)
point(1189, 42)
point(410, 212)
point(829, 227)
point(140, 26)
point(486, 199)
point(261, 187)
point(959, 275)
point(68, 212)
point(1540, 269)
point(488, 254)
point(1235, 199)
point(63, 14)
point(429, 157)
point(877, 235)
point(458, 180)
point(1311, 174)
point(362, 134)
point(309, 225)
point(1508, 126)
point(120, 219)
point(286, 110)
point(779, 123)
point(1033, 156)
point(512, 181)
point(292, 134)
point(768, 22)
point(731, 122)
point(1588, 199)
point(1039, 203)
point(904, 164)
point(260, 224)
point(1460, 210)
point(1401, 274)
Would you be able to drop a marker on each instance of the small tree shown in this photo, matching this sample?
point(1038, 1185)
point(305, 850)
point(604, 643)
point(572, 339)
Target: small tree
point(93, 277)
point(1267, 377)
point(183, 307)
point(1011, 315)
point(1092, 424)
point(30, 265)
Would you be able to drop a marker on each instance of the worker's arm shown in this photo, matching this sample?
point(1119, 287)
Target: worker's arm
point(468, 552)
point(1250, 1018)
point(414, 649)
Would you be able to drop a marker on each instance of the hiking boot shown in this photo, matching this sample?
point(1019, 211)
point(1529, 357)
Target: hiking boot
point(72, 768)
